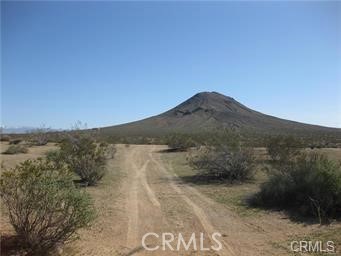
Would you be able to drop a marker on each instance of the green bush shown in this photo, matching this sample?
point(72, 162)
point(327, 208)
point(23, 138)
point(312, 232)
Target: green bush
point(224, 158)
point(283, 148)
point(15, 141)
point(56, 157)
point(85, 157)
point(16, 149)
point(179, 141)
point(44, 206)
point(309, 186)
point(224, 164)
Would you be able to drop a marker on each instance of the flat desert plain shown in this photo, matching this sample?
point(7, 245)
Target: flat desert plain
point(148, 191)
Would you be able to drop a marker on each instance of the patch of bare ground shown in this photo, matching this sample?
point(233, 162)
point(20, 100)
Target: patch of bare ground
point(10, 161)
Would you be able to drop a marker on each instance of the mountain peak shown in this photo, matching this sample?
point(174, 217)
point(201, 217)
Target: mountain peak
point(212, 110)
point(212, 94)
point(208, 103)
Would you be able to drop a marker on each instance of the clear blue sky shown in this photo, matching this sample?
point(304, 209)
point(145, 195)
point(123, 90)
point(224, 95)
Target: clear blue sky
point(107, 63)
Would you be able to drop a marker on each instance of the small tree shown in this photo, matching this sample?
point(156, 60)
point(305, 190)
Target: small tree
point(44, 206)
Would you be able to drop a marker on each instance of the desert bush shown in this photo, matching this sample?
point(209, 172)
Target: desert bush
point(309, 186)
point(16, 149)
point(224, 158)
point(225, 139)
point(56, 157)
point(224, 164)
point(15, 141)
point(179, 141)
point(5, 137)
point(44, 206)
point(40, 136)
point(85, 157)
point(283, 148)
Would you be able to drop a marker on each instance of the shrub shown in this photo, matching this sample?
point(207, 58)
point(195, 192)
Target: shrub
point(224, 164)
point(283, 149)
point(310, 186)
point(85, 157)
point(5, 137)
point(44, 206)
point(178, 141)
point(40, 136)
point(224, 158)
point(56, 157)
point(15, 141)
point(225, 139)
point(16, 149)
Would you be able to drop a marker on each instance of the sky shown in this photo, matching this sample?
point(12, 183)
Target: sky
point(107, 63)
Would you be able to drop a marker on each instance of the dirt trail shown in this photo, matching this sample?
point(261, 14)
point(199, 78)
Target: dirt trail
point(141, 194)
point(152, 199)
point(157, 202)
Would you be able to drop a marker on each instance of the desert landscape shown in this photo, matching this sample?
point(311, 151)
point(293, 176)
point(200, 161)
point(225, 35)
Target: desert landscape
point(143, 192)
point(154, 189)
point(164, 128)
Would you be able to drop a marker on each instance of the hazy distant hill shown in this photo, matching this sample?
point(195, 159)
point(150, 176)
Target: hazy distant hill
point(23, 129)
point(212, 110)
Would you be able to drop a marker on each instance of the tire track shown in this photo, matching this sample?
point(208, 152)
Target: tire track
point(150, 192)
point(198, 211)
point(138, 182)
point(132, 204)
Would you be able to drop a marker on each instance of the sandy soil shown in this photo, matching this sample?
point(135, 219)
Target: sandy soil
point(141, 194)
point(10, 161)
point(152, 199)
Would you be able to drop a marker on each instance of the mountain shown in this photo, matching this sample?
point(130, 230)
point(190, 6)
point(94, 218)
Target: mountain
point(23, 129)
point(211, 110)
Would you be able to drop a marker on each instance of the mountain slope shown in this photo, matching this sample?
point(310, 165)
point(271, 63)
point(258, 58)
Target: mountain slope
point(211, 110)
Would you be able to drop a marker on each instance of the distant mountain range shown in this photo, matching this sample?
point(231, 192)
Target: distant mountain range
point(211, 110)
point(22, 129)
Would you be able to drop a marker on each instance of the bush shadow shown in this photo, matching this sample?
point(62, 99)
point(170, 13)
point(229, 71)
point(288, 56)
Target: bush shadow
point(292, 214)
point(11, 245)
point(172, 150)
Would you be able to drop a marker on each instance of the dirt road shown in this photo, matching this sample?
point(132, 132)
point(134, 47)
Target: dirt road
point(151, 199)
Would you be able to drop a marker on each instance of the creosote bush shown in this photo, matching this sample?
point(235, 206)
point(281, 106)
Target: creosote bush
point(40, 136)
point(309, 186)
point(224, 159)
point(85, 157)
point(4, 137)
point(224, 164)
point(44, 206)
point(283, 149)
point(16, 149)
point(179, 141)
point(15, 141)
